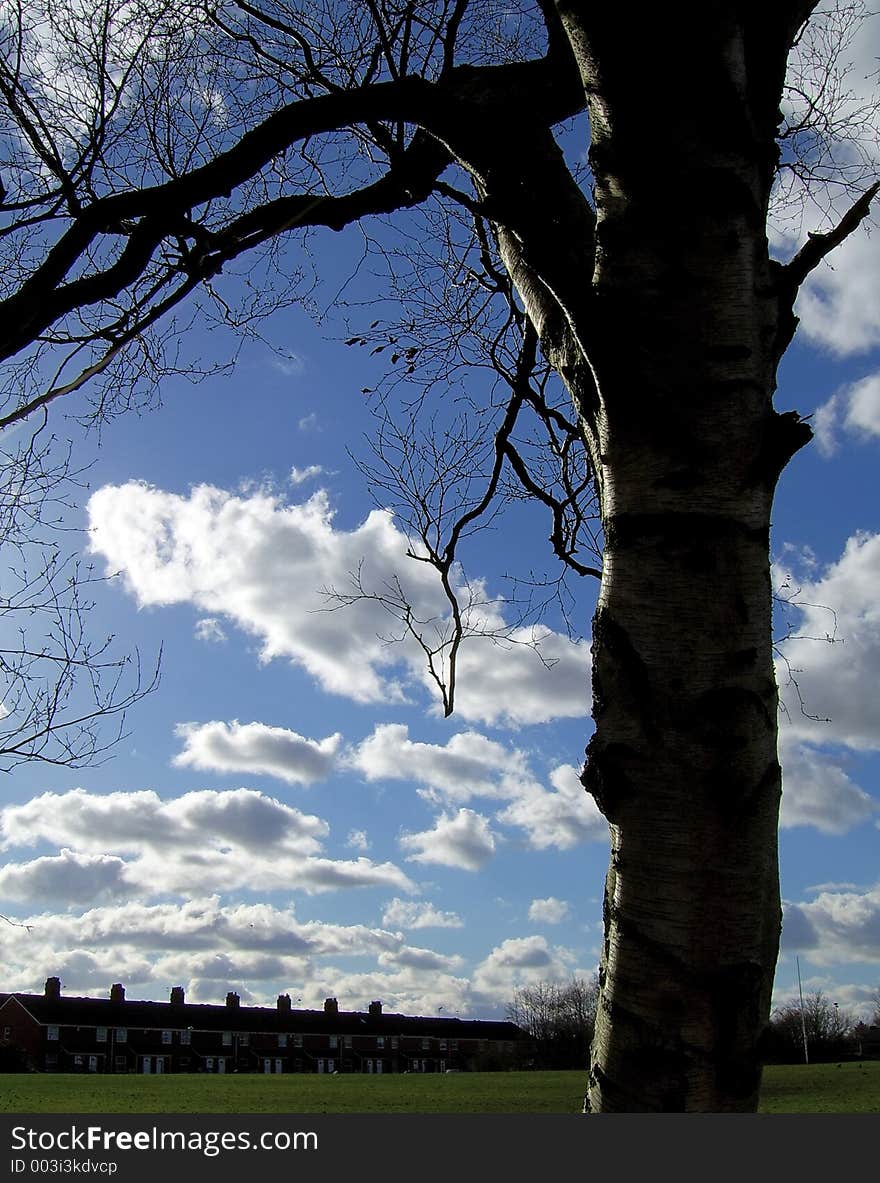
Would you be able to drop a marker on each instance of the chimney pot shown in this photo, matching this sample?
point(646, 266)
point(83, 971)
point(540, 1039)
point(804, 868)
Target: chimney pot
point(53, 987)
point(233, 1000)
point(117, 992)
point(178, 997)
point(375, 1010)
point(331, 1006)
point(284, 1003)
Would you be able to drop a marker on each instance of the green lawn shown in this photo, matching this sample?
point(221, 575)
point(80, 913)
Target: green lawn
point(820, 1088)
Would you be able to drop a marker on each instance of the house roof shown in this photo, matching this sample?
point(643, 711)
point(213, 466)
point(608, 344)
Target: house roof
point(103, 1012)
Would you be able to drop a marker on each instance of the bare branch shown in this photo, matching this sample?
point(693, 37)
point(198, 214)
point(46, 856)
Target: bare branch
point(819, 246)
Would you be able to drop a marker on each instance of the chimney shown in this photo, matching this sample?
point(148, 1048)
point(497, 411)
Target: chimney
point(331, 1006)
point(375, 1010)
point(53, 987)
point(233, 1000)
point(117, 992)
point(284, 1004)
point(178, 998)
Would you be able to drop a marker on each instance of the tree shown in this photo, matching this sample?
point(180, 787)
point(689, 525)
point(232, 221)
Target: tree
point(157, 144)
point(559, 1018)
point(828, 1028)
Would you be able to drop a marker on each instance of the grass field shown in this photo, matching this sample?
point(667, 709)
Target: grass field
point(815, 1088)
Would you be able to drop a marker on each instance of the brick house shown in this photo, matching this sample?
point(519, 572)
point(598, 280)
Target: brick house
point(51, 1032)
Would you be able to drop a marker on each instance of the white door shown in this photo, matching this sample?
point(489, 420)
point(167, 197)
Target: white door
point(278, 1066)
point(379, 1067)
point(160, 1064)
point(146, 1066)
point(93, 1063)
point(221, 1064)
point(267, 1065)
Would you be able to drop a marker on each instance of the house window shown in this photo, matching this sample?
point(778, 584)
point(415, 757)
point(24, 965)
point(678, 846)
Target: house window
point(426, 1043)
point(184, 1036)
point(442, 1045)
point(334, 1041)
point(101, 1035)
point(282, 1041)
point(244, 1040)
point(166, 1036)
point(453, 1045)
point(394, 1042)
point(120, 1063)
point(7, 1032)
point(297, 1041)
point(51, 1062)
point(347, 1041)
point(122, 1035)
point(227, 1039)
point(52, 1033)
point(380, 1041)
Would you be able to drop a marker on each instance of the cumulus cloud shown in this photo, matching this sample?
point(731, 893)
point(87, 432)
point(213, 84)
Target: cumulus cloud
point(194, 843)
point(266, 566)
point(410, 957)
point(549, 911)
point(258, 749)
point(463, 840)
point(210, 629)
point(357, 840)
point(412, 914)
point(67, 878)
point(299, 476)
point(835, 927)
point(836, 680)
point(839, 306)
point(468, 765)
point(563, 818)
point(817, 792)
point(856, 409)
point(521, 961)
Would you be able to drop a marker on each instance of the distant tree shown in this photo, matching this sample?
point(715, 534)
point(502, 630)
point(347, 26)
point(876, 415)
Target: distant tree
point(153, 152)
point(559, 1018)
point(829, 1029)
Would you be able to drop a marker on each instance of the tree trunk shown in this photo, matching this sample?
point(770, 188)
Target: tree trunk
point(683, 334)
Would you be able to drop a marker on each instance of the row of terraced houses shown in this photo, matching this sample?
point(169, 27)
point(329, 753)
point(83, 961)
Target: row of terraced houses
point(52, 1032)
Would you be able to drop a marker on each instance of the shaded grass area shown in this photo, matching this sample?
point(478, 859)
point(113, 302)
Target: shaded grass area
point(814, 1088)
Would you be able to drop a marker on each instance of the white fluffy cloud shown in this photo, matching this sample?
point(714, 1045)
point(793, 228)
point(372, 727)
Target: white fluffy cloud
point(855, 409)
point(463, 840)
point(67, 878)
point(199, 842)
point(549, 911)
point(521, 961)
point(266, 566)
point(839, 306)
point(836, 681)
point(412, 914)
point(468, 765)
point(257, 749)
point(836, 927)
point(816, 791)
point(563, 818)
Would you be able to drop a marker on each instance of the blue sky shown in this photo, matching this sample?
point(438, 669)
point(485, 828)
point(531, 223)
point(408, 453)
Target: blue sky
point(291, 812)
